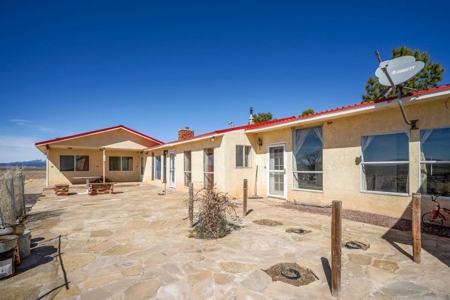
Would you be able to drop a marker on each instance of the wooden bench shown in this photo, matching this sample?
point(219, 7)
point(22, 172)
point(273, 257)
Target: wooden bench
point(101, 188)
point(61, 189)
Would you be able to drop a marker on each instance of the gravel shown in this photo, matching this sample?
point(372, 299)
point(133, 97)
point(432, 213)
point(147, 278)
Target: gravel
point(394, 223)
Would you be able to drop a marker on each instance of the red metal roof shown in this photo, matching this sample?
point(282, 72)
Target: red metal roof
point(222, 131)
point(251, 126)
point(96, 132)
point(293, 118)
point(354, 106)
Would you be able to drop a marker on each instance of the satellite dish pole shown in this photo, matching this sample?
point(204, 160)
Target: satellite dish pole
point(393, 73)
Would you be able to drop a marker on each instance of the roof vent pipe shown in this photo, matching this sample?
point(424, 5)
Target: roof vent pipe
point(250, 120)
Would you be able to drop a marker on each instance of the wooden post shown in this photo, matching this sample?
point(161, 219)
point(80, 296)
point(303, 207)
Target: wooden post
point(244, 210)
point(336, 240)
point(104, 165)
point(416, 235)
point(191, 204)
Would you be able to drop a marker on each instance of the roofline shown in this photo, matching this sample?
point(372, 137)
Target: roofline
point(70, 137)
point(219, 132)
point(358, 108)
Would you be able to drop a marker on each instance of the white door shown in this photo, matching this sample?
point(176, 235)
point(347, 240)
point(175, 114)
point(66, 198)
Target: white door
point(172, 169)
point(141, 175)
point(277, 171)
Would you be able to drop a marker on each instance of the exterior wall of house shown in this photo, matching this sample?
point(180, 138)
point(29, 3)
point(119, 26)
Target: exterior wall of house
point(197, 157)
point(95, 166)
point(342, 174)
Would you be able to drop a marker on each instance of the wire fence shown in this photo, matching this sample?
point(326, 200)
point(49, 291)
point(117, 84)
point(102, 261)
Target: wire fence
point(12, 195)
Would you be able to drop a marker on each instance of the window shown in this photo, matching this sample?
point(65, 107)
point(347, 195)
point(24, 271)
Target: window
point(307, 160)
point(385, 163)
point(187, 168)
point(208, 168)
point(158, 168)
point(127, 164)
point(435, 161)
point(120, 163)
point(74, 163)
point(243, 156)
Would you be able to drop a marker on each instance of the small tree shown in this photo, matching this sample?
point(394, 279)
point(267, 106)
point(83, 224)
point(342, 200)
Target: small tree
point(307, 112)
point(428, 77)
point(262, 117)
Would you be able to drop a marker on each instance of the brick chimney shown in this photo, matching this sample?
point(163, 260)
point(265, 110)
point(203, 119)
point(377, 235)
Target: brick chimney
point(185, 133)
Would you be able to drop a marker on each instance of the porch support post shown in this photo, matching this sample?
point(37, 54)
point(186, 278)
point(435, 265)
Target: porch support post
point(104, 165)
point(416, 235)
point(47, 154)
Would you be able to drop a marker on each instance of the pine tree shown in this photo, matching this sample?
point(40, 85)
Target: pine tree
point(262, 117)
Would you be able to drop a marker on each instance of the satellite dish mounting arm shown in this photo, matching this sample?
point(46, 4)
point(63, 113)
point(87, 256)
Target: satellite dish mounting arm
point(383, 67)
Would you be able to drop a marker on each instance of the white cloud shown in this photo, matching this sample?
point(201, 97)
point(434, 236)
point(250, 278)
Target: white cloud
point(19, 121)
point(45, 129)
point(14, 148)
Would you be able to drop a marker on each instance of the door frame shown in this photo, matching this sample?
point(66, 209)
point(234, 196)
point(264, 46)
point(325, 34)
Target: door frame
point(276, 145)
point(174, 155)
point(142, 163)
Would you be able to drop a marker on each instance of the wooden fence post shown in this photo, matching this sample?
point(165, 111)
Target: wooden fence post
point(336, 240)
point(191, 204)
point(416, 235)
point(244, 210)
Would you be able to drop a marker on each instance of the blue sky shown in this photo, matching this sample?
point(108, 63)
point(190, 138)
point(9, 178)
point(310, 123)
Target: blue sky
point(68, 67)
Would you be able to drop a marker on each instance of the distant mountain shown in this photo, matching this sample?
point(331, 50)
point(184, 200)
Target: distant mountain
point(30, 163)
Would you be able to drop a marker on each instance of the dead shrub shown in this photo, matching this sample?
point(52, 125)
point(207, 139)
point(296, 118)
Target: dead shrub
point(216, 215)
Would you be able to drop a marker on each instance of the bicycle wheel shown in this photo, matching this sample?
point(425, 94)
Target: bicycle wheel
point(427, 219)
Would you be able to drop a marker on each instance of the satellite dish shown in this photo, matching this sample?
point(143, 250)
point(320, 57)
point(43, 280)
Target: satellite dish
point(398, 69)
point(392, 73)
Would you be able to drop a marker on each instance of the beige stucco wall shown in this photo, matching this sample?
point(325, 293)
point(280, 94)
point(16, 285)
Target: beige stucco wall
point(341, 157)
point(115, 139)
point(95, 166)
point(197, 152)
point(119, 142)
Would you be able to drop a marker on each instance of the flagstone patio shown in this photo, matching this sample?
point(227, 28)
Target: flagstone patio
point(134, 244)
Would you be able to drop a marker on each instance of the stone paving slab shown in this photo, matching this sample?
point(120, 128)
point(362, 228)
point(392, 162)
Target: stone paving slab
point(134, 244)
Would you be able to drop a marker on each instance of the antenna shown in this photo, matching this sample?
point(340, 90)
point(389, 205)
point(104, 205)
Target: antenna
point(393, 73)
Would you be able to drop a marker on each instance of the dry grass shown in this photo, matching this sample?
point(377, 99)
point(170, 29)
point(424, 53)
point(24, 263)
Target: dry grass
point(267, 222)
point(291, 273)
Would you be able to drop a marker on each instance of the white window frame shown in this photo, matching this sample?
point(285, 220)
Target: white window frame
point(74, 162)
point(294, 161)
point(362, 176)
point(158, 158)
point(422, 162)
point(208, 172)
point(121, 164)
point(246, 163)
point(186, 184)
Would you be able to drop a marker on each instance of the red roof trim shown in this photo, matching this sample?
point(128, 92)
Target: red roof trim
point(96, 132)
point(221, 131)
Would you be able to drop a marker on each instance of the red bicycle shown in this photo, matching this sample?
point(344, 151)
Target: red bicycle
point(435, 217)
